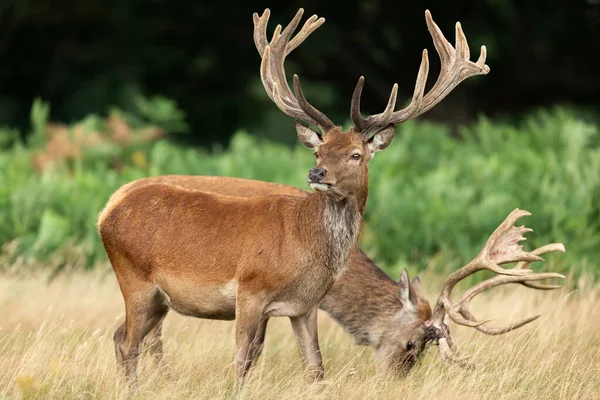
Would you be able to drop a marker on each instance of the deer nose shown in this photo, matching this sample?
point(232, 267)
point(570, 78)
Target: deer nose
point(316, 175)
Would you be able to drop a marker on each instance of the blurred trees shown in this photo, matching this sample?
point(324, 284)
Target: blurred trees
point(90, 55)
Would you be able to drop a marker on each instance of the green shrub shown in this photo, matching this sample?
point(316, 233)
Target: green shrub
point(430, 194)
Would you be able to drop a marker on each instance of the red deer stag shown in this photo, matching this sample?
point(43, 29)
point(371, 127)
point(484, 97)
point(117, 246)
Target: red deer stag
point(214, 256)
point(363, 300)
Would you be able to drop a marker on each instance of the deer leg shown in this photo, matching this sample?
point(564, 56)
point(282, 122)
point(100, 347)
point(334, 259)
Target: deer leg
point(144, 310)
point(248, 320)
point(118, 338)
point(305, 330)
point(259, 340)
point(153, 343)
point(246, 358)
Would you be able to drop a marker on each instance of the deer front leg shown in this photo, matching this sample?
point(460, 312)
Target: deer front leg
point(305, 330)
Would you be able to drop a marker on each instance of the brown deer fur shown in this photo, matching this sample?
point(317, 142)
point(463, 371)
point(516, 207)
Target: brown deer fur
point(363, 300)
point(223, 257)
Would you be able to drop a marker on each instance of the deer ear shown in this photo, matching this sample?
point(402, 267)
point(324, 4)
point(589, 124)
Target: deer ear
point(415, 290)
point(381, 140)
point(404, 290)
point(307, 136)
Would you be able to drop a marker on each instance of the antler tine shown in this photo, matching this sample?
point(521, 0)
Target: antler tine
point(309, 27)
point(320, 118)
point(538, 252)
point(276, 34)
point(499, 330)
point(357, 119)
point(389, 109)
point(455, 68)
point(442, 46)
point(502, 247)
point(272, 70)
point(289, 30)
point(481, 60)
point(260, 30)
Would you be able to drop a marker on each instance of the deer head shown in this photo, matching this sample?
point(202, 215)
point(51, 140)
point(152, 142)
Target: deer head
point(342, 157)
point(398, 348)
point(417, 327)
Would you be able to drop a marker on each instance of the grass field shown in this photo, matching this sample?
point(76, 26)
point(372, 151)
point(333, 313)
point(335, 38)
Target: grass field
point(56, 343)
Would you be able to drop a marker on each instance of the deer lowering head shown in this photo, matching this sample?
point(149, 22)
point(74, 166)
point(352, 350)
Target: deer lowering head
point(423, 328)
point(342, 157)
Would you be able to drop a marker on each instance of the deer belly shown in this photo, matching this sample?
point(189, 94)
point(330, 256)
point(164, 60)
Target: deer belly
point(298, 300)
point(210, 302)
point(287, 309)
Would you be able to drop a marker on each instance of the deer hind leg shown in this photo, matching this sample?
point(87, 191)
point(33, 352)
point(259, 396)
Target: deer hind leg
point(145, 308)
point(305, 330)
point(259, 340)
point(153, 343)
point(144, 311)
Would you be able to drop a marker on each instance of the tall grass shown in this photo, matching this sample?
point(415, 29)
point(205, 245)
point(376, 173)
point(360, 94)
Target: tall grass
point(433, 198)
point(56, 343)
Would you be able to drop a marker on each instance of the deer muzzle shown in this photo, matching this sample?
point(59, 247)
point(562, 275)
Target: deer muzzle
point(315, 179)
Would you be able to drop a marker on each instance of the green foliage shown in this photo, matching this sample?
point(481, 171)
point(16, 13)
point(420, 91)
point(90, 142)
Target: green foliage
point(430, 194)
point(40, 111)
point(162, 112)
point(8, 137)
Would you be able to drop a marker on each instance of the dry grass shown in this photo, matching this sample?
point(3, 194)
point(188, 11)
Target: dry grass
point(56, 343)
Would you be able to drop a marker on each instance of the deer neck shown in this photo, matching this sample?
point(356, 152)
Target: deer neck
point(335, 229)
point(363, 300)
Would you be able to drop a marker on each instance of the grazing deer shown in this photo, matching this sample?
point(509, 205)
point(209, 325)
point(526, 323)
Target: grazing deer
point(365, 301)
point(221, 257)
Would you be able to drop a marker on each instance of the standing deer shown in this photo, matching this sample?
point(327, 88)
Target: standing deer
point(365, 301)
point(214, 256)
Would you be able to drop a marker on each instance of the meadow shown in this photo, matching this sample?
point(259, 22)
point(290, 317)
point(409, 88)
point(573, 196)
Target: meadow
point(56, 343)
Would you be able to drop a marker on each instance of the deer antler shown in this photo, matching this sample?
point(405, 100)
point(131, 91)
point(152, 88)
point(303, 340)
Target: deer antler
point(272, 71)
point(455, 68)
point(502, 247)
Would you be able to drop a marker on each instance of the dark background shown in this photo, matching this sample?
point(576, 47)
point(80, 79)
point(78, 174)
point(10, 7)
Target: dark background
point(86, 56)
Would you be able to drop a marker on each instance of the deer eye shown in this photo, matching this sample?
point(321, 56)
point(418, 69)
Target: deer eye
point(409, 345)
point(316, 155)
point(356, 156)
